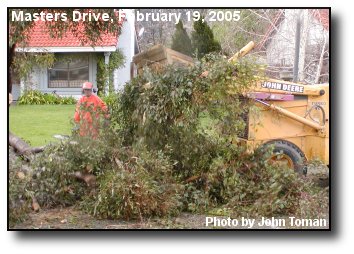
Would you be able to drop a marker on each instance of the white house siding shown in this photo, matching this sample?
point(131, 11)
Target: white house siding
point(126, 45)
point(33, 80)
point(16, 91)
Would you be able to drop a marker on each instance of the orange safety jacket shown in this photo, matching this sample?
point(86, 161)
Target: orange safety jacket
point(86, 117)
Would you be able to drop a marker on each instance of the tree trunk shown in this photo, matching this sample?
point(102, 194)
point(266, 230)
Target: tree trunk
point(303, 44)
point(21, 147)
point(320, 63)
point(11, 54)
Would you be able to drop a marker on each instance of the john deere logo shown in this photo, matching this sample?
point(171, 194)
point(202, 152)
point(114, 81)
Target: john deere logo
point(283, 87)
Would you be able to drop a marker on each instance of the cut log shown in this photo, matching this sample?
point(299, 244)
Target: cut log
point(35, 206)
point(21, 147)
point(89, 179)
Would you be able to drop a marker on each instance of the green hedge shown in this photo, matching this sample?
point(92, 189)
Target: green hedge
point(31, 97)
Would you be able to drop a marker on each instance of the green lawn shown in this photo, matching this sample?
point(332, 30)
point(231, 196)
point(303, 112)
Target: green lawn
point(38, 123)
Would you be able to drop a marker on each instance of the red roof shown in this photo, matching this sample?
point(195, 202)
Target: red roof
point(322, 15)
point(40, 37)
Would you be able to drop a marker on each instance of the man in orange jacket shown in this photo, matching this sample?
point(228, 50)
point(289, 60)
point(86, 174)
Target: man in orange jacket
point(89, 110)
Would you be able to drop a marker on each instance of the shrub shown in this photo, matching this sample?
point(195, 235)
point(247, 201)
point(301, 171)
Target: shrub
point(19, 197)
point(111, 99)
point(31, 97)
point(196, 200)
point(181, 41)
point(203, 40)
point(139, 186)
point(53, 182)
point(35, 97)
point(131, 182)
point(250, 186)
point(69, 100)
point(166, 111)
point(166, 114)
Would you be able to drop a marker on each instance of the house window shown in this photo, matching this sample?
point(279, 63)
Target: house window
point(69, 73)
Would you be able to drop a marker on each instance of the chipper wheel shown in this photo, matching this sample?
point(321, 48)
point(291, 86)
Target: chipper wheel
point(287, 154)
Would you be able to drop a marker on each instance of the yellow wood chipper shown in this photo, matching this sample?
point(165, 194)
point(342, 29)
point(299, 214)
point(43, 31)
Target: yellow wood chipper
point(293, 118)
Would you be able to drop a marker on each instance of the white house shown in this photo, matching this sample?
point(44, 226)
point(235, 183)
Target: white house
point(66, 77)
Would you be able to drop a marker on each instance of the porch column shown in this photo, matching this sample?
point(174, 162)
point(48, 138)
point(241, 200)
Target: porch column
point(106, 62)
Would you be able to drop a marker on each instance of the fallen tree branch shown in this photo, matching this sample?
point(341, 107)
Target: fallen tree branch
point(35, 206)
point(89, 179)
point(21, 147)
point(193, 178)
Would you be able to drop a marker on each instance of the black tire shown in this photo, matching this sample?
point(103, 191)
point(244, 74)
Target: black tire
point(292, 151)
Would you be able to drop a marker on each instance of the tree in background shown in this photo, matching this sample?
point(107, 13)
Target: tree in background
point(203, 40)
point(181, 41)
point(251, 27)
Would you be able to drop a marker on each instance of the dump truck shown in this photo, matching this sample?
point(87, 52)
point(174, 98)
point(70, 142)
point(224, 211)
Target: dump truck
point(293, 118)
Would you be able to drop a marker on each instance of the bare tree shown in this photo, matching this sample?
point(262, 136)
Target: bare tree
point(273, 31)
